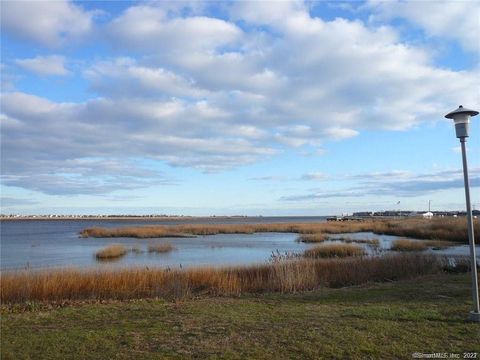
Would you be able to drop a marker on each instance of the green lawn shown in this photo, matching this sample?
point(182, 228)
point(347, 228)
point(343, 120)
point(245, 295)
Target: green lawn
point(390, 320)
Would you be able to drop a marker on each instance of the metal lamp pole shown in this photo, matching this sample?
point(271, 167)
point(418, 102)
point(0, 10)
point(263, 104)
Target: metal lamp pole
point(461, 117)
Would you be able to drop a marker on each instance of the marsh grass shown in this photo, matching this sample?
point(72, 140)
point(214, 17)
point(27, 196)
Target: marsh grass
point(408, 245)
point(160, 248)
point(111, 252)
point(348, 240)
point(135, 232)
point(446, 229)
point(312, 238)
point(334, 250)
point(283, 276)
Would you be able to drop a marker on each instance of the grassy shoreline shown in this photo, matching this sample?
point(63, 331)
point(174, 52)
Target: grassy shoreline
point(381, 321)
point(285, 276)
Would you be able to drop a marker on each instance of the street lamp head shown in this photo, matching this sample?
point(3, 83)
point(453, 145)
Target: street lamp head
point(461, 117)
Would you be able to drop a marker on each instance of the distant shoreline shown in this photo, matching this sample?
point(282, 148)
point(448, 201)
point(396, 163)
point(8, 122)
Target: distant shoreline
point(145, 217)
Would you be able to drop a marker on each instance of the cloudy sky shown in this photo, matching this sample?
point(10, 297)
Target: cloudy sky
point(201, 108)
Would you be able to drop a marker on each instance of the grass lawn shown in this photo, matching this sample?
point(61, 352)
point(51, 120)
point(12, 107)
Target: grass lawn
point(380, 321)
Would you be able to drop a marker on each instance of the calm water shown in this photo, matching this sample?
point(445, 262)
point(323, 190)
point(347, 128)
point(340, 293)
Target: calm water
point(55, 243)
point(48, 244)
point(386, 243)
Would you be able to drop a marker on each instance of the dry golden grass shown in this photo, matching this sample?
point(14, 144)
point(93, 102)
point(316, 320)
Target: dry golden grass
point(160, 248)
point(214, 229)
point(447, 229)
point(136, 232)
point(111, 252)
point(286, 276)
point(312, 238)
point(408, 245)
point(334, 250)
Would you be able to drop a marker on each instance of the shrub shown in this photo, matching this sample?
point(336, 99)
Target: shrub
point(111, 252)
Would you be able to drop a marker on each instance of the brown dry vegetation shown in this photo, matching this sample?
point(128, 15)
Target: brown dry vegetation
point(135, 232)
point(111, 252)
point(447, 229)
point(160, 248)
point(373, 242)
point(285, 277)
point(334, 250)
point(214, 229)
point(408, 245)
point(312, 238)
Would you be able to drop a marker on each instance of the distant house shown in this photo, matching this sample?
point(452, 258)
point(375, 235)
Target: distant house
point(427, 215)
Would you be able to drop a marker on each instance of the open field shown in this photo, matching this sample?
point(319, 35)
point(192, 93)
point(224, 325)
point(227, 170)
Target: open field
point(283, 276)
point(380, 321)
point(446, 229)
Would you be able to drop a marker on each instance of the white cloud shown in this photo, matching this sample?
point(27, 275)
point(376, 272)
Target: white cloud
point(50, 23)
point(339, 133)
point(204, 93)
point(45, 65)
point(457, 20)
point(314, 176)
point(149, 27)
point(56, 142)
point(124, 77)
point(397, 183)
point(457, 149)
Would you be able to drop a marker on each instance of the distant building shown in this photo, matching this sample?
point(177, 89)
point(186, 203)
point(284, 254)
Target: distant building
point(427, 215)
point(363, 213)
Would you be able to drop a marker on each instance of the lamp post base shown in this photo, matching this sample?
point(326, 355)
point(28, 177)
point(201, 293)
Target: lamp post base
point(474, 316)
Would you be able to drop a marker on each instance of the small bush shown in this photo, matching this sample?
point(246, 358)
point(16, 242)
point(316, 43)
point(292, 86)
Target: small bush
point(111, 252)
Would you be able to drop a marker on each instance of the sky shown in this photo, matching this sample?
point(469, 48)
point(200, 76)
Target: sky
point(236, 108)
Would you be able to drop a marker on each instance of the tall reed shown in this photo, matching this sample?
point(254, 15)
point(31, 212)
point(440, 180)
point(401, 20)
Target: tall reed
point(283, 276)
point(334, 250)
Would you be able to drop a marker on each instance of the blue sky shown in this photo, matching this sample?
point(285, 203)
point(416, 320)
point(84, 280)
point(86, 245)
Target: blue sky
point(236, 108)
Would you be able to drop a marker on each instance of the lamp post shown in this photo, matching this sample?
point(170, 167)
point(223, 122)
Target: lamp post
point(461, 117)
